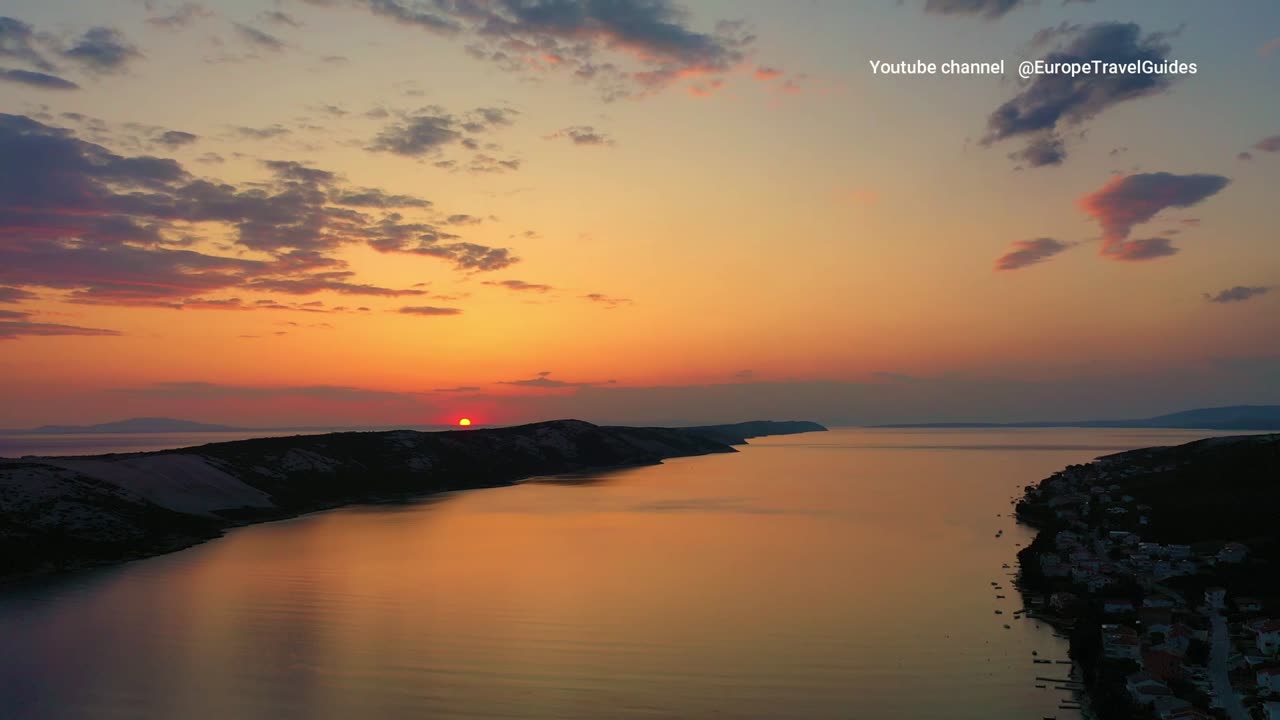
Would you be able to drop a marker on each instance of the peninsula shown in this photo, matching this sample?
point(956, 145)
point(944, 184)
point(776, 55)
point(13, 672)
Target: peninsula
point(1160, 565)
point(63, 513)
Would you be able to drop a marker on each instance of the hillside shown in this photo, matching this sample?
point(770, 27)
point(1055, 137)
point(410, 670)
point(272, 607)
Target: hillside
point(67, 512)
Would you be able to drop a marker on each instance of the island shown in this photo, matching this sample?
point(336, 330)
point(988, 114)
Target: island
point(65, 513)
point(1160, 565)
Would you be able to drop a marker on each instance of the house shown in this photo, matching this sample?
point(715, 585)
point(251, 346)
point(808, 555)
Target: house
point(1156, 619)
point(1233, 552)
point(1144, 689)
point(1268, 636)
point(1215, 597)
point(1117, 606)
point(1169, 707)
point(1159, 601)
point(1271, 711)
point(1249, 604)
point(1120, 642)
point(1269, 678)
point(1180, 552)
point(1162, 664)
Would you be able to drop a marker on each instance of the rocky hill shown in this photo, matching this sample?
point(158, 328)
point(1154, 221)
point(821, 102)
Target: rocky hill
point(67, 512)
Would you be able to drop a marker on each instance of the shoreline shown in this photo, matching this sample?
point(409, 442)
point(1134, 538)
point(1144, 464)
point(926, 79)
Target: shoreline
point(62, 515)
point(1123, 567)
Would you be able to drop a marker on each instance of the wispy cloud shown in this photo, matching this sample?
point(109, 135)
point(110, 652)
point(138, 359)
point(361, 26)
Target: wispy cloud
point(1239, 293)
point(1024, 253)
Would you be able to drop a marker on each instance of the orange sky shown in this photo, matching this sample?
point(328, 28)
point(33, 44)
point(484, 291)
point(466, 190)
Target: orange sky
point(298, 214)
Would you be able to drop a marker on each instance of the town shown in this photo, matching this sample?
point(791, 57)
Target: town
point(1175, 631)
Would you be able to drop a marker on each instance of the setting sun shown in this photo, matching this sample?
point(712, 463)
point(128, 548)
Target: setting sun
point(464, 422)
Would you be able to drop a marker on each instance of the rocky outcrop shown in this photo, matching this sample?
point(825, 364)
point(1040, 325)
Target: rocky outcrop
point(62, 513)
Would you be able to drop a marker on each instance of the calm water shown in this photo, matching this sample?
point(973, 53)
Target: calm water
point(837, 575)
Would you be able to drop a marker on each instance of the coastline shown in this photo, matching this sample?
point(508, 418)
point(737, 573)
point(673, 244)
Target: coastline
point(1125, 567)
point(65, 514)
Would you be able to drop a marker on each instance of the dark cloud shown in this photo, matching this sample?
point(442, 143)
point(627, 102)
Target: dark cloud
point(581, 135)
point(270, 132)
point(1130, 200)
point(1239, 293)
point(605, 300)
point(41, 80)
point(1051, 103)
point(1142, 249)
point(260, 39)
point(624, 46)
point(14, 324)
point(13, 295)
point(113, 229)
point(103, 50)
point(278, 17)
point(544, 380)
point(1030, 252)
point(430, 311)
point(1045, 149)
point(432, 128)
point(1268, 144)
point(18, 42)
point(175, 138)
point(374, 198)
point(520, 286)
point(459, 389)
point(180, 17)
point(987, 9)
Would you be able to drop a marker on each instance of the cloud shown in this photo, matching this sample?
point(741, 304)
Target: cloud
point(1269, 47)
point(1142, 249)
point(459, 389)
point(1051, 103)
point(625, 47)
point(259, 38)
point(14, 295)
point(1239, 293)
point(544, 381)
point(36, 80)
point(281, 18)
point(374, 198)
point(102, 50)
point(1130, 200)
point(270, 132)
point(581, 135)
point(520, 286)
point(14, 324)
point(986, 9)
point(605, 300)
point(428, 311)
point(765, 74)
point(134, 230)
point(18, 42)
point(175, 138)
point(432, 128)
point(180, 17)
point(1030, 252)
point(1042, 150)
point(1268, 144)
point(205, 390)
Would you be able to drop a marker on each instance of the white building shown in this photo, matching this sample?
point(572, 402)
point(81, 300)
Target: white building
point(1215, 597)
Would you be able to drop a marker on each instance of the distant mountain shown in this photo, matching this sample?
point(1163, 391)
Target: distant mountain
point(135, 425)
point(739, 433)
point(1234, 417)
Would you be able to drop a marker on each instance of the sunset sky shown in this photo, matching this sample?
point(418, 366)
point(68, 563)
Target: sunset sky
point(398, 212)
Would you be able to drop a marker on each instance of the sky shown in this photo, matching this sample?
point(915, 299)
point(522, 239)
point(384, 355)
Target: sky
point(284, 212)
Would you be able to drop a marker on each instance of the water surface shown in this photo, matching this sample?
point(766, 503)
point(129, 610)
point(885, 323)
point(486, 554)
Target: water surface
point(835, 575)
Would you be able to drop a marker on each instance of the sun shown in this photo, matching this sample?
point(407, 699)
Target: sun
point(464, 422)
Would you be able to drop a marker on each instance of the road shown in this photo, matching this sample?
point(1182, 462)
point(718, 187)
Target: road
point(1219, 650)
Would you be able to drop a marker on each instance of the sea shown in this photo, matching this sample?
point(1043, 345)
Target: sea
point(857, 573)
